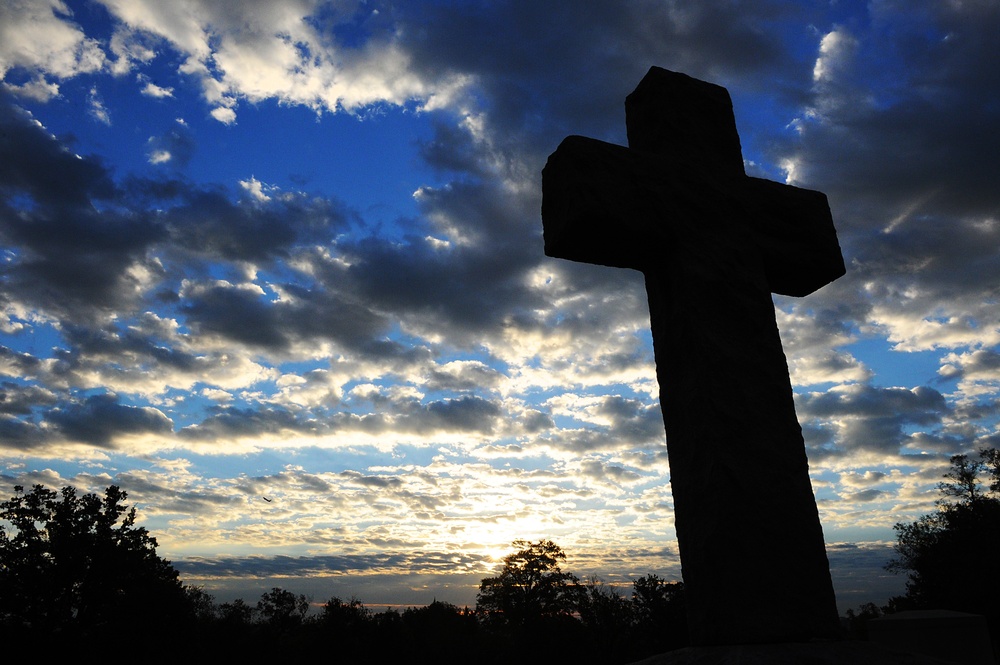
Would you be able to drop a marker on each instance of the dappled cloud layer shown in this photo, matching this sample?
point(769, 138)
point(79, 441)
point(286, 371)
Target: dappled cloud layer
point(412, 394)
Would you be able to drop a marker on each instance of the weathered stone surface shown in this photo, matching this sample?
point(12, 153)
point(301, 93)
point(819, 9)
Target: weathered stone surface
point(820, 653)
point(713, 244)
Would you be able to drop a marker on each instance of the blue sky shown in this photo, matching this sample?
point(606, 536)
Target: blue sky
point(293, 249)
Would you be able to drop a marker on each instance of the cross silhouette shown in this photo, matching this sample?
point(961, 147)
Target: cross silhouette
point(713, 244)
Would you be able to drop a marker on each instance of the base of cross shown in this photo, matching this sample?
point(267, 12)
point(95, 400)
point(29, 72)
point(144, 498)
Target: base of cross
point(814, 653)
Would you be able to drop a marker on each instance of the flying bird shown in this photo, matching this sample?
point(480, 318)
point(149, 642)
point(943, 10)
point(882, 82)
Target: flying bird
point(266, 499)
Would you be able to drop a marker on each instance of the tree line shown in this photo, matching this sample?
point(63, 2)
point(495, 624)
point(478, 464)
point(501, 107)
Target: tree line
point(78, 571)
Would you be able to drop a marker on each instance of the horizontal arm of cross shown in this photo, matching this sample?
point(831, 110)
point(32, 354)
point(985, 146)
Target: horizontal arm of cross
point(609, 205)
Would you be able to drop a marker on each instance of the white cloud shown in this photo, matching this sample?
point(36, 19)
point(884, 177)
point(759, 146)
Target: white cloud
point(97, 109)
point(256, 189)
point(978, 372)
point(129, 47)
point(270, 51)
point(37, 89)
point(224, 114)
point(40, 35)
point(153, 90)
point(312, 388)
point(927, 321)
point(159, 157)
point(836, 50)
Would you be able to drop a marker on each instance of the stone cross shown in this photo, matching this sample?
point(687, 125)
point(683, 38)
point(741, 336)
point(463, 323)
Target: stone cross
point(713, 244)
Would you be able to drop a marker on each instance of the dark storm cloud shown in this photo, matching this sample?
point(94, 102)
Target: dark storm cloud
point(154, 495)
point(555, 68)
point(865, 496)
point(240, 314)
point(452, 149)
point(467, 377)
point(469, 414)
point(601, 472)
point(597, 441)
point(99, 419)
point(35, 163)
point(465, 414)
point(229, 422)
point(951, 257)
point(466, 289)
point(207, 222)
point(21, 435)
point(479, 280)
point(982, 362)
point(70, 261)
point(84, 247)
point(903, 140)
point(23, 365)
point(927, 152)
point(926, 127)
point(246, 315)
point(989, 408)
point(18, 399)
point(623, 424)
point(57, 214)
point(870, 417)
point(532, 421)
point(22, 404)
point(920, 405)
point(480, 283)
point(471, 282)
point(89, 348)
point(378, 482)
point(632, 419)
point(287, 479)
point(258, 566)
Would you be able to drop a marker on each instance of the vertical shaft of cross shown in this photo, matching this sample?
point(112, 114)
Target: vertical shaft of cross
point(751, 543)
point(750, 539)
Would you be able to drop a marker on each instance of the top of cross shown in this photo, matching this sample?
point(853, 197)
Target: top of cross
point(686, 120)
point(622, 207)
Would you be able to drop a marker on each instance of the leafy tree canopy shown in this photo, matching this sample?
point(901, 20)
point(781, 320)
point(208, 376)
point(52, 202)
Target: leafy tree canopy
point(660, 613)
point(950, 555)
point(530, 586)
point(69, 561)
point(282, 608)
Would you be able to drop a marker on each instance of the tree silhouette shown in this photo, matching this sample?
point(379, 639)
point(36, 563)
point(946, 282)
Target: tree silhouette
point(660, 614)
point(81, 563)
point(343, 615)
point(608, 617)
point(282, 609)
point(947, 555)
point(530, 586)
point(441, 632)
point(237, 613)
point(856, 623)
